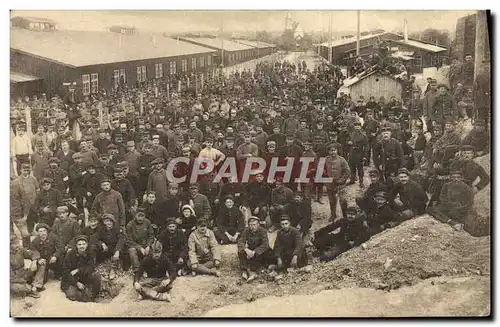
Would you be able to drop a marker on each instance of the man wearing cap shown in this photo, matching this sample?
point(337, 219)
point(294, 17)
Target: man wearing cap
point(470, 169)
point(40, 136)
point(65, 227)
point(204, 251)
point(79, 280)
point(388, 154)
point(124, 187)
point(450, 137)
point(47, 253)
point(478, 138)
point(376, 185)
point(352, 233)
point(132, 157)
point(289, 248)
point(59, 176)
point(253, 248)
point(291, 124)
point(444, 106)
point(46, 202)
point(409, 197)
point(157, 180)
point(91, 184)
point(258, 196)
point(109, 201)
point(281, 196)
point(89, 156)
point(382, 215)
point(371, 128)
point(455, 201)
point(196, 132)
point(104, 166)
point(430, 97)
point(175, 245)
point(158, 150)
point(140, 237)
point(110, 241)
point(211, 153)
point(303, 133)
point(337, 168)
point(77, 172)
point(161, 273)
point(359, 153)
point(200, 203)
point(40, 160)
point(230, 222)
point(103, 141)
point(21, 147)
point(145, 168)
point(23, 196)
point(278, 137)
point(65, 156)
point(299, 211)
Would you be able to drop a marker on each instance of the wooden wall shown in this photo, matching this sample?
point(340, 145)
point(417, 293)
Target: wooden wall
point(376, 85)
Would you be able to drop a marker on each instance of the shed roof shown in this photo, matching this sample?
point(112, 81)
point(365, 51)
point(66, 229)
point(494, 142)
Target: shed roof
point(219, 43)
point(16, 77)
point(421, 45)
point(86, 48)
point(340, 42)
point(256, 44)
point(356, 79)
point(34, 19)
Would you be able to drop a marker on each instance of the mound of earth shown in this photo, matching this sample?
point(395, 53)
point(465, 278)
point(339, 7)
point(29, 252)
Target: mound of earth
point(461, 296)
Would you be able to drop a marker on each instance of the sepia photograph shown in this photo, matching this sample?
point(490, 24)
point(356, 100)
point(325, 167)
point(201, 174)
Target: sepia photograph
point(250, 163)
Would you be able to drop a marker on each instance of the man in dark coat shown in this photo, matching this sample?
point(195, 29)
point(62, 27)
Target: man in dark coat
point(77, 172)
point(352, 233)
point(109, 240)
point(230, 222)
point(388, 154)
point(161, 273)
point(47, 254)
point(470, 169)
point(412, 199)
point(91, 184)
point(140, 237)
point(109, 201)
point(376, 185)
point(281, 196)
point(46, 202)
point(59, 176)
point(289, 247)
point(258, 197)
point(381, 216)
point(299, 211)
point(478, 138)
point(253, 248)
point(79, 280)
point(175, 245)
point(359, 153)
point(124, 187)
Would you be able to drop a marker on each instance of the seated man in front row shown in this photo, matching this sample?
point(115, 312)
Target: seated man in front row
point(253, 249)
point(79, 280)
point(161, 273)
point(204, 252)
point(352, 233)
point(230, 222)
point(289, 247)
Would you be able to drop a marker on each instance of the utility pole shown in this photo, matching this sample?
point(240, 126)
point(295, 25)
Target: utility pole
point(330, 50)
point(358, 33)
point(482, 70)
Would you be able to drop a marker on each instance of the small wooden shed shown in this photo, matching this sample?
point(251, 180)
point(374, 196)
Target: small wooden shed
point(374, 84)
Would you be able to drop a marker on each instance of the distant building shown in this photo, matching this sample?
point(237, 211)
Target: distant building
point(100, 60)
point(234, 52)
point(423, 54)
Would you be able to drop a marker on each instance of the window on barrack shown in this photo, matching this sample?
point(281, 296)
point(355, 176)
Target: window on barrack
point(173, 68)
point(86, 84)
point(94, 83)
point(184, 64)
point(158, 70)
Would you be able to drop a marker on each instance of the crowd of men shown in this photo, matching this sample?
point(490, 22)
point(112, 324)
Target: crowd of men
point(85, 190)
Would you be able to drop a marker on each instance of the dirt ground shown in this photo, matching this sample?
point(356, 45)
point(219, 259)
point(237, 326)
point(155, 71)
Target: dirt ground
point(421, 267)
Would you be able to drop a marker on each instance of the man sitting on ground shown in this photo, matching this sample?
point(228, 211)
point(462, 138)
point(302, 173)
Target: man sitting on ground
point(289, 247)
point(253, 248)
point(204, 252)
point(160, 275)
point(175, 245)
point(230, 222)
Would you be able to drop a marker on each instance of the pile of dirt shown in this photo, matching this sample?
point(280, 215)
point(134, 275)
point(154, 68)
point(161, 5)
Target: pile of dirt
point(417, 249)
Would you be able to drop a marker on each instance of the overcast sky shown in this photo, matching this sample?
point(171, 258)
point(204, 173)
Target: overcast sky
point(183, 21)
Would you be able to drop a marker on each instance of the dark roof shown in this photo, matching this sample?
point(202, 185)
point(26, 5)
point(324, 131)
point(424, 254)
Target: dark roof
point(256, 44)
point(34, 19)
point(219, 43)
point(86, 48)
point(420, 45)
point(16, 77)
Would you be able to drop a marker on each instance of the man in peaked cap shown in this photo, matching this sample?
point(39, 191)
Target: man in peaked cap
point(59, 176)
point(478, 138)
point(161, 273)
point(253, 249)
point(289, 248)
point(79, 264)
point(470, 169)
point(338, 169)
